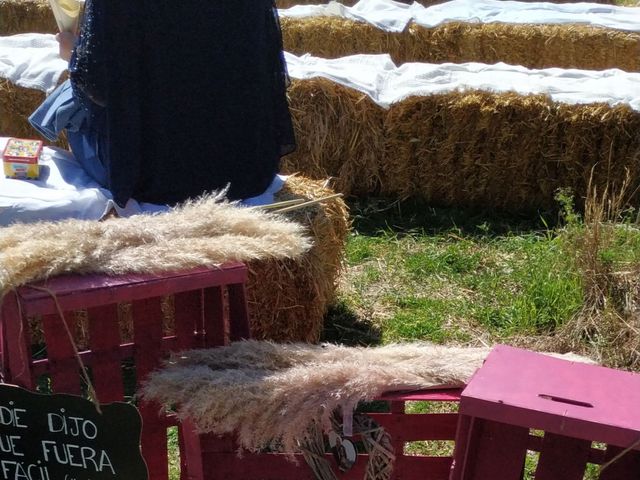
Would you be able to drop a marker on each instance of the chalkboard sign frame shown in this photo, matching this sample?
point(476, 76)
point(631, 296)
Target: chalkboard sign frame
point(64, 437)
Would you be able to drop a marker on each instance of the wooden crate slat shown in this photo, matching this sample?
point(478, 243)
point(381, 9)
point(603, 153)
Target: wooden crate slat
point(147, 337)
point(16, 360)
point(84, 291)
point(415, 427)
point(274, 466)
point(104, 340)
point(214, 317)
point(562, 457)
point(495, 450)
point(63, 364)
point(188, 318)
point(238, 312)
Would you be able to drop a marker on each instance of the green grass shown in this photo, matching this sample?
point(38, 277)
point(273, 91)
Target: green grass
point(446, 276)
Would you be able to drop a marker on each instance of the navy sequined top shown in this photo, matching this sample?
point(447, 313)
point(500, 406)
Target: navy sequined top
point(188, 96)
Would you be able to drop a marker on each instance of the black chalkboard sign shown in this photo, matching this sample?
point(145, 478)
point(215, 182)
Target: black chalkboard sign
point(63, 437)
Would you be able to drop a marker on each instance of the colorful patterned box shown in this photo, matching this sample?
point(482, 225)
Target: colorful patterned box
point(20, 158)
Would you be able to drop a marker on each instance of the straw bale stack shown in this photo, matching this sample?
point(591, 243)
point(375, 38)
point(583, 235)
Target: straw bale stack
point(339, 134)
point(334, 37)
point(426, 3)
point(288, 299)
point(349, 3)
point(533, 46)
point(16, 104)
point(505, 151)
point(23, 16)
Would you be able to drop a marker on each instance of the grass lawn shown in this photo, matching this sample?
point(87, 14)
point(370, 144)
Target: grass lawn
point(440, 275)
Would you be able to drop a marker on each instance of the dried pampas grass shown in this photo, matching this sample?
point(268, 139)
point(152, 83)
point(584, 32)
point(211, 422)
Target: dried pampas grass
point(270, 394)
point(206, 232)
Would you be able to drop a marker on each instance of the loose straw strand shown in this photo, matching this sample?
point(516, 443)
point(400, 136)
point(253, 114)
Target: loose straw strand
point(91, 390)
point(604, 466)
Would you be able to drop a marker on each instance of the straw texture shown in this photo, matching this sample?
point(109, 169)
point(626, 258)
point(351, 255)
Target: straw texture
point(532, 46)
point(506, 151)
point(339, 133)
point(288, 298)
point(24, 16)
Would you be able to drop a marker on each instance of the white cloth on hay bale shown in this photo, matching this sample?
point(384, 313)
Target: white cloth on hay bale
point(395, 16)
point(64, 190)
point(380, 79)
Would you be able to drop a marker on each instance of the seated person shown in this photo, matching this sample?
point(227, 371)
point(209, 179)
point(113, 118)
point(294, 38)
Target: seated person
point(170, 100)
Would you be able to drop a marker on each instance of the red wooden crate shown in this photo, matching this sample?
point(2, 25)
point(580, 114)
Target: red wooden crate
point(210, 310)
point(521, 401)
point(216, 458)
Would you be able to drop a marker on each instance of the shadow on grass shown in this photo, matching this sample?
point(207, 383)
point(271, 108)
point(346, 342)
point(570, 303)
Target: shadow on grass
point(374, 215)
point(342, 325)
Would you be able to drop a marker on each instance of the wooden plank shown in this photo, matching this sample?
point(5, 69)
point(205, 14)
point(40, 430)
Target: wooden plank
point(153, 441)
point(16, 351)
point(147, 338)
point(126, 351)
point(190, 452)
point(63, 364)
point(462, 451)
point(433, 395)
point(84, 291)
point(188, 318)
point(104, 340)
point(147, 335)
point(214, 317)
point(419, 426)
point(238, 312)
point(495, 450)
point(625, 468)
point(578, 400)
point(562, 457)
point(228, 466)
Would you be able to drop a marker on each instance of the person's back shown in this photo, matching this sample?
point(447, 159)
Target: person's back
point(193, 95)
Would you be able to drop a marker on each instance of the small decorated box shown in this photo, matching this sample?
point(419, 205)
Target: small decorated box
point(20, 158)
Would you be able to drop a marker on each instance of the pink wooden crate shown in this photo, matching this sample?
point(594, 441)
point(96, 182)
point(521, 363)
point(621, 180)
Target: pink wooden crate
point(216, 458)
point(210, 310)
point(574, 404)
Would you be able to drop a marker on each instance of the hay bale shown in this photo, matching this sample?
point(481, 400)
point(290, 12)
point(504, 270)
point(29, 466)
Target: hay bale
point(24, 16)
point(16, 104)
point(425, 3)
point(505, 151)
point(293, 3)
point(349, 3)
point(334, 37)
point(288, 299)
point(339, 134)
point(532, 46)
